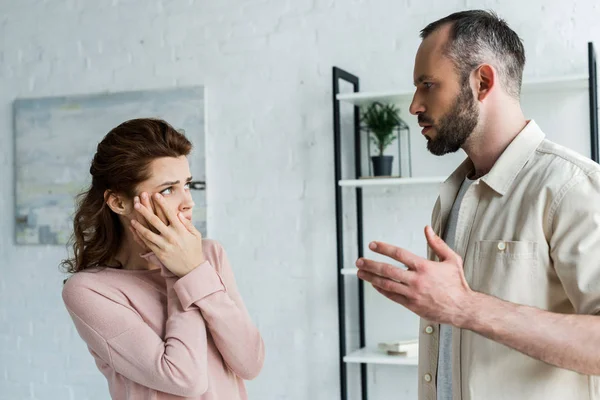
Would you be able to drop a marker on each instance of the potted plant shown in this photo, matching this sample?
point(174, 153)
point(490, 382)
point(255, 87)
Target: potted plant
point(381, 121)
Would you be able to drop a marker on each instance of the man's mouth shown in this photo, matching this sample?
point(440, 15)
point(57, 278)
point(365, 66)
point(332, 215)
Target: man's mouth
point(426, 128)
point(423, 123)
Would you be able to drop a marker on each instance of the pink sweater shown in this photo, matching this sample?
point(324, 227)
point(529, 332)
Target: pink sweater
point(156, 336)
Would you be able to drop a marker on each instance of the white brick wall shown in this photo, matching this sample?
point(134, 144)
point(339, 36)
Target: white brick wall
point(266, 66)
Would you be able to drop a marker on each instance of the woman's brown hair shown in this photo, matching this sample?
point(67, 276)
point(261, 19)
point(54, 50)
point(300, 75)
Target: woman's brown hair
point(120, 164)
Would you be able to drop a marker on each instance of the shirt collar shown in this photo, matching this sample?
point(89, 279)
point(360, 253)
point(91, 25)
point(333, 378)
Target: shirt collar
point(514, 158)
point(508, 165)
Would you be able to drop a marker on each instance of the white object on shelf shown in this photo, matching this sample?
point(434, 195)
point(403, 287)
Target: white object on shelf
point(349, 271)
point(407, 348)
point(391, 181)
point(575, 82)
point(371, 356)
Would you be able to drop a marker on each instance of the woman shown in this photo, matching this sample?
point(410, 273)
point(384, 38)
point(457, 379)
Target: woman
point(156, 304)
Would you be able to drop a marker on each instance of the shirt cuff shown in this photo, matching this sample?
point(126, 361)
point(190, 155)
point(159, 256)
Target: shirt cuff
point(203, 281)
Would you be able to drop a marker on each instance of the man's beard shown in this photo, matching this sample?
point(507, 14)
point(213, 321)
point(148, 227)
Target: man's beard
point(454, 128)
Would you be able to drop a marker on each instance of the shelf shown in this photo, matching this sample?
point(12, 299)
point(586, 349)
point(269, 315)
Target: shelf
point(349, 271)
point(576, 82)
point(370, 356)
point(556, 84)
point(366, 98)
point(390, 181)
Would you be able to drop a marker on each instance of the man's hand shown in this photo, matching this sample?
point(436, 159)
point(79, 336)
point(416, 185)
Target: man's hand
point(437, 291)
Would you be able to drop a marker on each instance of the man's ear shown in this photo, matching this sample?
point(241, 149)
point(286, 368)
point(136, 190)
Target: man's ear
point(118, 203)
point(485, 77)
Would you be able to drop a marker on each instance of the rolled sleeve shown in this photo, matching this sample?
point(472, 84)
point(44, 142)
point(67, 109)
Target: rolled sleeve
point(575, 242)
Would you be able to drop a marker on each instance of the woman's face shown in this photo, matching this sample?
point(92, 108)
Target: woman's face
point(170, 177)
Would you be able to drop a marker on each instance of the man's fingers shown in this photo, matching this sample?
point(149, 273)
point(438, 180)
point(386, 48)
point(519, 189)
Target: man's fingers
point(385, 284)
point(398, 298)
point(385, 270)
point(439, 247)
point(397, 253)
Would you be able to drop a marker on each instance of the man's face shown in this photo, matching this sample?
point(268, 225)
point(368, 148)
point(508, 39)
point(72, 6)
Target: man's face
point(443, 102)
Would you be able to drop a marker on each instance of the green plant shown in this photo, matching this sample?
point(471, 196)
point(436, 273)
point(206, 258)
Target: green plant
point(381, 120)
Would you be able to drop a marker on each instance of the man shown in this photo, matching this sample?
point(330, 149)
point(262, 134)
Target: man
point(509, 300)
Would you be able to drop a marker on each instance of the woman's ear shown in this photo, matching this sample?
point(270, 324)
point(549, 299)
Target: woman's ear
point(117, 203)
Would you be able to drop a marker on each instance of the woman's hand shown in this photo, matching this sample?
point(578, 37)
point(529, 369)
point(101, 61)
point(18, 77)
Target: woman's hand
point(178, 244)
point(146, 200)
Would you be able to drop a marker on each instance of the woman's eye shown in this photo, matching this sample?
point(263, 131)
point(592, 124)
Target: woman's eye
point(428, 85)
point(166, 191)
point(187, 186)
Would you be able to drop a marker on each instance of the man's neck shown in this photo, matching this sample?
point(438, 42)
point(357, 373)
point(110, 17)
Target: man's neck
point(489, 141)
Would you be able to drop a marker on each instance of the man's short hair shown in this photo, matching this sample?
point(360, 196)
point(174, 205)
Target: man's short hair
point(478, 37)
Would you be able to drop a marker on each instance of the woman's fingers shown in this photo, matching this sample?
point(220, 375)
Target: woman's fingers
point(138, 217)
point(147, 202)
point(138, 239)
point(149, 237)
point(189, 225)
point(171, 216)
point(159, 213)
point(145, 244)
point(152, 219)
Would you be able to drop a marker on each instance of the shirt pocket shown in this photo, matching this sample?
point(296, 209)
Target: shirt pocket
point(506, 269)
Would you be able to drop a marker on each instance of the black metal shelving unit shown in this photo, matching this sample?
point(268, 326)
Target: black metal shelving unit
point(341, 75)
point(593, 92)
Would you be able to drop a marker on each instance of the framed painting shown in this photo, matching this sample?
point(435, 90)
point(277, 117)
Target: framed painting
point(56, 138)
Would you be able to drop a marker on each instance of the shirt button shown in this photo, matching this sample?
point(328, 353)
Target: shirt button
point(429, 330)
point(427, 378)
point(501, 246)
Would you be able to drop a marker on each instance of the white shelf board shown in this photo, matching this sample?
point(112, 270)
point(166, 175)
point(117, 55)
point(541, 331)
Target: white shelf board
point(370, 356)
point(575, 82)
point(390, 181)
point(349, 271)
point(366, 98)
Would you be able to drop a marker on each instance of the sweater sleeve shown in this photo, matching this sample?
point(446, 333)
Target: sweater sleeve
point(119, 336)
point(226, 317)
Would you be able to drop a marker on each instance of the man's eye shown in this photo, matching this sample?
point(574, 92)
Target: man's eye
point(428, 85)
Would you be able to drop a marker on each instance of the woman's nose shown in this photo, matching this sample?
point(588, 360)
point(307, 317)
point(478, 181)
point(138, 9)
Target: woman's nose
point(187, 202)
